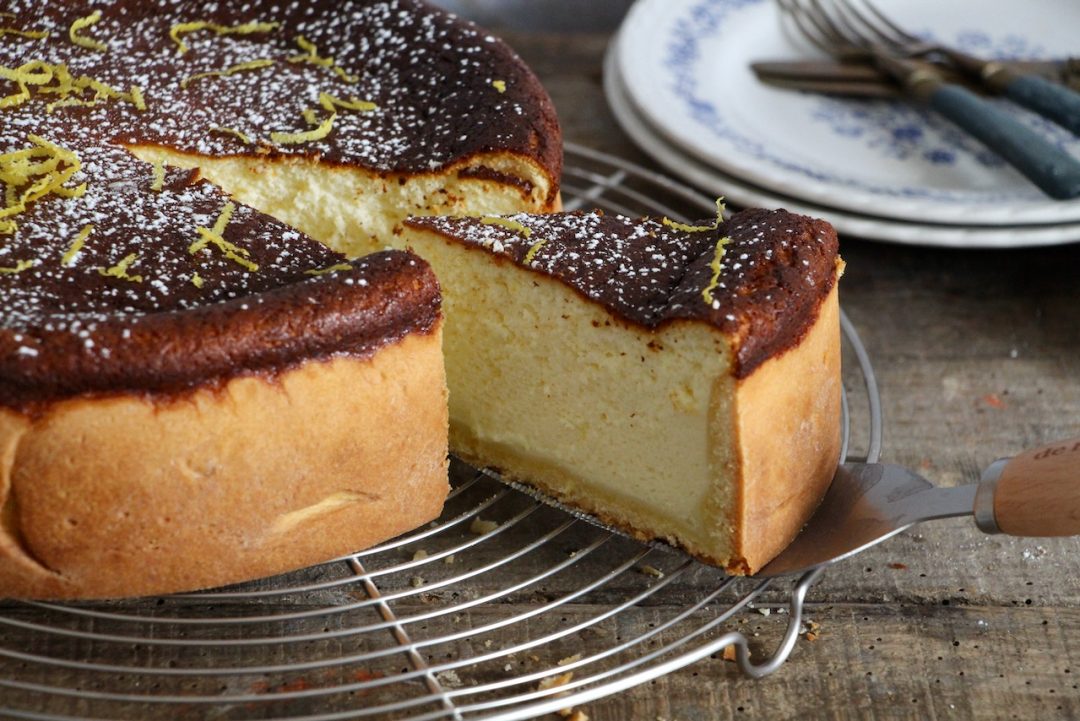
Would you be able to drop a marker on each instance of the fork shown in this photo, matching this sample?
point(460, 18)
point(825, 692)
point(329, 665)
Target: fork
point(1053, 170)
point(1048, 99)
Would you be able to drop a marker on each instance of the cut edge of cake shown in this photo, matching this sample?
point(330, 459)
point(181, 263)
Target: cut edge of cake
point(356, 211)
point(658, 431)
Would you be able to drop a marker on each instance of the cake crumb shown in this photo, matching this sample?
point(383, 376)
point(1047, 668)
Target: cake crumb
point(763, 611)
point(812, 632)
point(570, 659)
point(420, 555)
point(729, 653)
point(651, 571)
point(555, 681)
point(416, 581)
point(481, 527)
point(450, 679)
point(449, 559)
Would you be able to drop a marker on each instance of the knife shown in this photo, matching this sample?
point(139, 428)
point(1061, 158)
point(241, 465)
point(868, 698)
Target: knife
point(1064, 72)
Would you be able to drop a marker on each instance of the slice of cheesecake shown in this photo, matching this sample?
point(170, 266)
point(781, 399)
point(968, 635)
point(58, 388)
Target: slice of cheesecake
point(678, 382)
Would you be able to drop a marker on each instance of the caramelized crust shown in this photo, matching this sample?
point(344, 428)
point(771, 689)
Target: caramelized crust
point(371, 303)
point(764, 288)
point(444, 90)
point(110, 281)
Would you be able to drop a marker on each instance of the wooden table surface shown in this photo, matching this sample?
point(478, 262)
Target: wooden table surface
point(977, 355)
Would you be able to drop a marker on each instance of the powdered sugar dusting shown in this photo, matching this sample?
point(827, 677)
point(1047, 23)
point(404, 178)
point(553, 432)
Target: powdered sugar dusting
point(775, 269)
point(428, 75)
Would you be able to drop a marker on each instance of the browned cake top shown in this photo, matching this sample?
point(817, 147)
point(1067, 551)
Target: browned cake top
point(760, 276)
point(411, 88)
point(353, 309)
point(107, 262)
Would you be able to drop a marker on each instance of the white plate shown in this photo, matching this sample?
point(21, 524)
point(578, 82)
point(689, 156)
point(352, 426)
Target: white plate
point(708, 178)
point(686, 67)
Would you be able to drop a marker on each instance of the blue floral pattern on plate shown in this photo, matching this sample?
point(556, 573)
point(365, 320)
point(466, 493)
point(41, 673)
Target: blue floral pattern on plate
point(891, 129)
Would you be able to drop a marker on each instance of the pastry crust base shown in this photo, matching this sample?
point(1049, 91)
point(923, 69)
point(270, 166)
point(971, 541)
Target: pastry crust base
point(139, 495)
point(787, 418)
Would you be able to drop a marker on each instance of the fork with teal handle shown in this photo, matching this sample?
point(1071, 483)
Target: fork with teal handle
point(1049, 167)
point(1051, 100)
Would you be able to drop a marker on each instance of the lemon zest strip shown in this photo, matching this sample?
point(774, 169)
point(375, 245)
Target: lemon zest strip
point(42, 177)
point(330, 103)
point(307, 136)
point(196, 280)
point(242, 137)
point(232, 252)
point(699, 228)
point(224, 219)
point(231, 70)
point(499, 85)
point(19, 267)
point(506, 223)
point(159, 176)
point(32, 34)
point(35, 72)
point(39, 74)
point(717, 266)
point(311, 55)
point(76, 245)
point(242, 29)
point(136, 97)
point(81, 24)
point(120, 270)
point(331, 269)
point(533, 250)
point(214, 236)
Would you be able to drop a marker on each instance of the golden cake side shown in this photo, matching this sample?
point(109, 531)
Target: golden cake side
point(136, 495)
point(787, 439)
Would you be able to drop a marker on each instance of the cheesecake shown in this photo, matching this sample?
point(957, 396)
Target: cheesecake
point(679, 382)
point(201, 379)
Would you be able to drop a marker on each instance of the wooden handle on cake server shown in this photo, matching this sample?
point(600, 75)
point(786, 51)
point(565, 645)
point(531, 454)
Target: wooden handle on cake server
point(1036, 493)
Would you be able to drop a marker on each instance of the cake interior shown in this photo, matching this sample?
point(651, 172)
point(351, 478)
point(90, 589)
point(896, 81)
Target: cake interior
point(356, 211)
point(630, 424)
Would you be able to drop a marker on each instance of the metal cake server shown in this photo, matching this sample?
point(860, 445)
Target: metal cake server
point(1036, 493)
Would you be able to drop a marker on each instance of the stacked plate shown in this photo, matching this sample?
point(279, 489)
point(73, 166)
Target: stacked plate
point(678, 79)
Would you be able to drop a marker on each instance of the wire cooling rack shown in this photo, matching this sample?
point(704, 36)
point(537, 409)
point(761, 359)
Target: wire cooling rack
point(503, 608)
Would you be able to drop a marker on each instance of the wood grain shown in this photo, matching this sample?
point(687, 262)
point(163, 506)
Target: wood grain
point(1038, 493)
